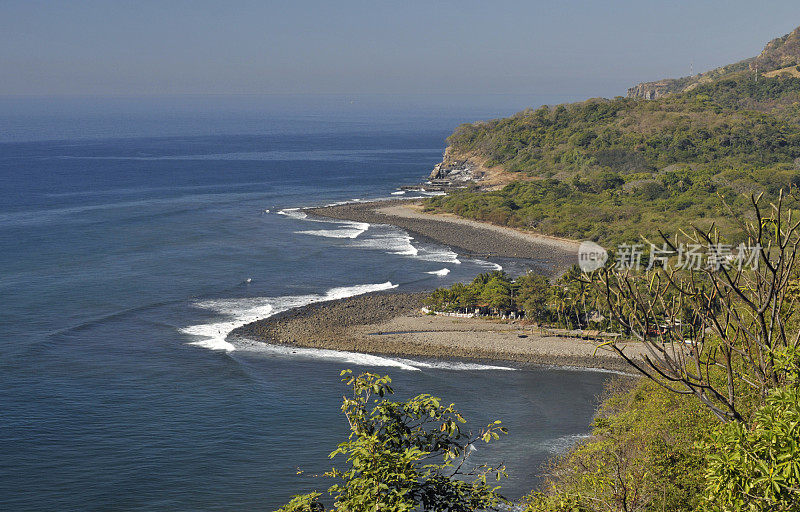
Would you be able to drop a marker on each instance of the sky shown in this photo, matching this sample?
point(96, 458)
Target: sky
point(557, 47)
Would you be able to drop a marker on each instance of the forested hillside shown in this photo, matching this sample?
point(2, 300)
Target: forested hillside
point(612, 169)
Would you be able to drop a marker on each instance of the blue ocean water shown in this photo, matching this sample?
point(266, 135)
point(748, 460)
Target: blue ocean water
point(126, 258)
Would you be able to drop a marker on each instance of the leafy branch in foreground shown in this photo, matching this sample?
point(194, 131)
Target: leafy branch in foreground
point(403, 456)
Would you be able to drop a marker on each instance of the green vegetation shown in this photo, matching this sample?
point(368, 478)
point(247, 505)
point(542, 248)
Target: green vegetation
point(650, 450)
point(778, 55)
point(610, 170)
point(728, 123)
point(568, 303)
point(716, 425)
point(404, 456)
point(758, 468)
point(653, 450)
point(727, 436)
point(644, 455)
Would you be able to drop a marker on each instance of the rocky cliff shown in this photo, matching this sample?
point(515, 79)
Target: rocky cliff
point(779, 54)
point(661, 88)
point(457, 168)
point(654, 90)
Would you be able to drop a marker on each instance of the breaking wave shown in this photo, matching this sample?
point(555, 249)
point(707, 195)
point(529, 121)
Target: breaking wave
point(455, 365)
point(393, 243)
point(355, 358)
point(443, 272)
point(244, 311)
point(489, 264)
point(384, 238)
point(238, 312)
point(346, 230)
point(294, 213)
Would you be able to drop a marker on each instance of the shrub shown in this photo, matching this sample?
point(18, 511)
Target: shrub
point(392, 456)
point(756, 467)
point(642, 456)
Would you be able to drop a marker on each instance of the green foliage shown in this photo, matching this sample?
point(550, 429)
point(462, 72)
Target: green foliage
point(497, 294)
point(654, 450)
point(404, 456)
point(737, 121)
point(757, 467)
point(609, 170)
point(494, 289)
point(642, 456)
point(568, 302)
point(304, 503)
point(533, 295)
point(673, 201)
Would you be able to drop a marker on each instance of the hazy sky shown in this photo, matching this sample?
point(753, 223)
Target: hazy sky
point(357, 47)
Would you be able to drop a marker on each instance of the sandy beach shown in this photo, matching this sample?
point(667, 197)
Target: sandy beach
point(391, 323)
point(468, 237)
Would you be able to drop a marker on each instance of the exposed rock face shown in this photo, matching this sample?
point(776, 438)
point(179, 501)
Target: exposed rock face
point(653, 90)
point(455, 169)
point(779, 53)
point(782, 53)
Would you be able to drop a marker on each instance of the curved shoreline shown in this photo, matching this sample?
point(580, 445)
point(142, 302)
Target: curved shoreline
point(470, 238)
point(388, 323)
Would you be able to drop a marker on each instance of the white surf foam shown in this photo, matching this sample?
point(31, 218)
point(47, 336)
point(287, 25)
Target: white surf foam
point(593, 370)
point(243, 311)
point(563, 444)
point(399, 193)
point(438, 255)
point(354, 358)
point(443, 272)
point(400, 243)
point(455, 365)
point(360, 359)
point(489, 264)
point(214, 334)
point(294, 213)
point(393, 243)
point(347, 230)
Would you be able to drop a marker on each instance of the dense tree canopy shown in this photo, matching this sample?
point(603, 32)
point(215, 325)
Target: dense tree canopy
point(568, 302)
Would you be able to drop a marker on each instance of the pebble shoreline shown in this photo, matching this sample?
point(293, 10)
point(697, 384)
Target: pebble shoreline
point(350, 324)
point(469, 238)
point(356, 324)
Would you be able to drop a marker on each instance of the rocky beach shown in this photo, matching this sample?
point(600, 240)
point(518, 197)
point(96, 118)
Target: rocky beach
point(470, 238)
point(392, 323)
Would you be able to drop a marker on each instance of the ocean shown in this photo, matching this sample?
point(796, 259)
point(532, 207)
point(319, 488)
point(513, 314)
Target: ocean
point(135, 234)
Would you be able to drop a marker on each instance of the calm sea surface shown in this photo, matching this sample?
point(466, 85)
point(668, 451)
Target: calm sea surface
point(132, 242)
